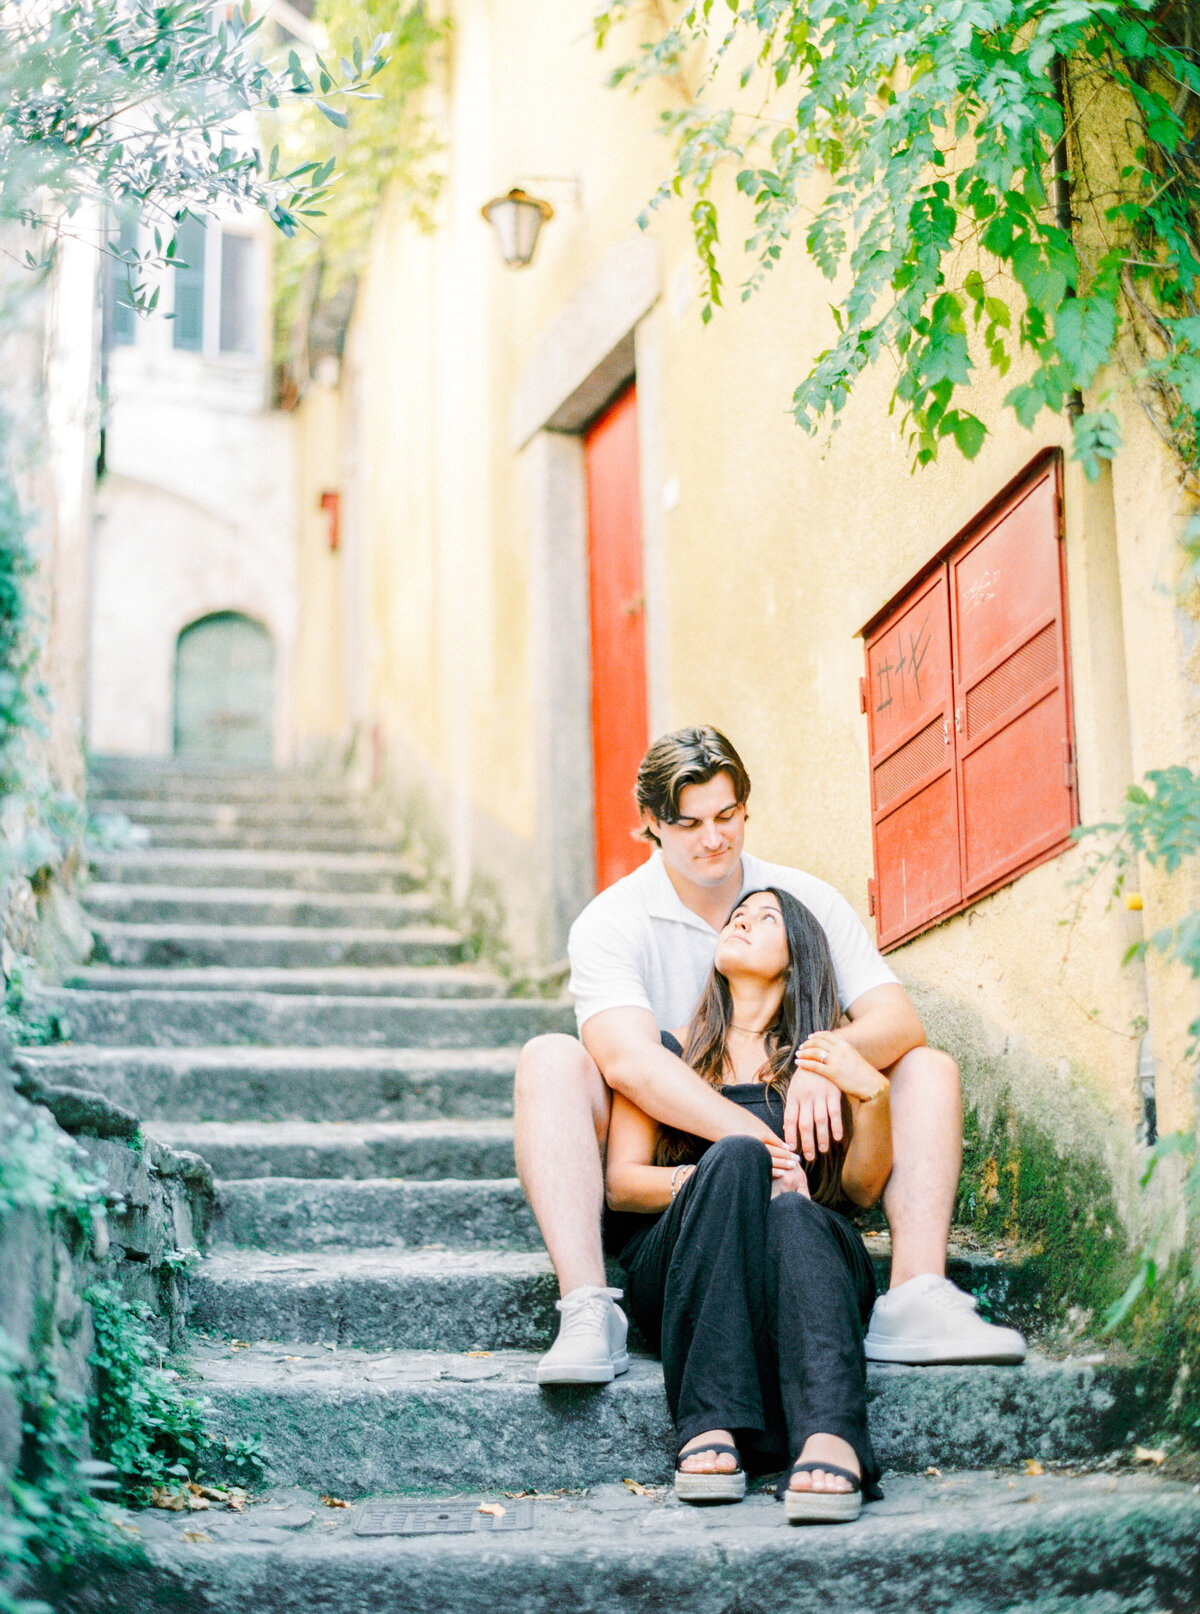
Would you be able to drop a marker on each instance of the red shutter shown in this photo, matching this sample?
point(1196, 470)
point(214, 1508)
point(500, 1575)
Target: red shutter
point(1016, 774)
point(913, 796)
point(968, 701)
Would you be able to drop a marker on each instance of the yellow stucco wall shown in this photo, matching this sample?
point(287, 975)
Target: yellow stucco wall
point(769, 549)
point(319, 688)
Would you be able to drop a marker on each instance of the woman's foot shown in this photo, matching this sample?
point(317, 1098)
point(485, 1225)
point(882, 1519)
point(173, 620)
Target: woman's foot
point(708, 1469)
point(831, 1449)
point(703, 1460)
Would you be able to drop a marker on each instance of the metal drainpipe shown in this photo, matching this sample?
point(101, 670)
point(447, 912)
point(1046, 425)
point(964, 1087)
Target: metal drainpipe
point(1063, 216)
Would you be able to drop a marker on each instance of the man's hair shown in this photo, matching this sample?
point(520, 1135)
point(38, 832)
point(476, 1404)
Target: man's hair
point(686, 757)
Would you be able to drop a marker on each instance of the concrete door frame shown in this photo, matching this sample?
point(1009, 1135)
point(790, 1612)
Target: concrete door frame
point(606, 337)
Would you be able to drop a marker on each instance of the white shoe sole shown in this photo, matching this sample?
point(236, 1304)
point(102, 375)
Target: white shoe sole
point(822, 1507)
point(710, 1487)
point(933, 1353)
point(583, 1372)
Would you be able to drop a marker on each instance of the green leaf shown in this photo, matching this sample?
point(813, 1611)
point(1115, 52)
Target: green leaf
point(334, 116)
point(1096, 437)
point(1085, 329)
point(969, 433)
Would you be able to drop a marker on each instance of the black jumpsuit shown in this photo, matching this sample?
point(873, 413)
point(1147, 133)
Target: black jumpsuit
point(757, 1304)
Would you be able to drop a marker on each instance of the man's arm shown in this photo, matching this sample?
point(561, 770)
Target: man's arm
point(883, 1027)
point(626, 1046)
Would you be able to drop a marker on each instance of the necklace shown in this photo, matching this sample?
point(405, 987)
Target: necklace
point(747, 1031)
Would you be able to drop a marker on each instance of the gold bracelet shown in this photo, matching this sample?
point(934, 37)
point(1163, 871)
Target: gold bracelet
point(683, 1166)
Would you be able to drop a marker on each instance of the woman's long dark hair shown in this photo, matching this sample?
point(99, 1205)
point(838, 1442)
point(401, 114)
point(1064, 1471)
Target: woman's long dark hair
point(809, 1003)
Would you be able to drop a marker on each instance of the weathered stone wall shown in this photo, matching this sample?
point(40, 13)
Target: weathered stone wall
point(154, 1210)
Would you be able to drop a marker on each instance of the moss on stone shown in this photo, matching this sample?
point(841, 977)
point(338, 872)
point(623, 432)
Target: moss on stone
point(1059, 1209)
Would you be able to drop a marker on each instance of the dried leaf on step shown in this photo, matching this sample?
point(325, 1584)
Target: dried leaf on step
point(196, 1535)
point(494, 1508)
point(933, 1473)
point(1032, 1466)
point(1149, 1454)
point(236, 1504)
point(173, 1501)
point(129, 1529)
point(212, 1492)
point(334, 1502)
point(477, 1353)
point(637, 1488)
point(198, 1504)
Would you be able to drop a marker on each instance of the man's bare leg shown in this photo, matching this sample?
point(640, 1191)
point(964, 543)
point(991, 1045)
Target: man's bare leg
point(560, 1124)
point(926, 1103)
point(923, 1318)
point(561, 1128)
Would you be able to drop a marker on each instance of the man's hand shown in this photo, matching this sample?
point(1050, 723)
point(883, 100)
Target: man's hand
point(791, 1182)
point(812, 1114)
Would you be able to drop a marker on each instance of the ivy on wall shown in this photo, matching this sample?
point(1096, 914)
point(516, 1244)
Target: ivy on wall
point(387, 140)
point(960, 212)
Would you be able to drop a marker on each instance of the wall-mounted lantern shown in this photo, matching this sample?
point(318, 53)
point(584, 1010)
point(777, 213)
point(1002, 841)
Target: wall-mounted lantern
point(517, 220)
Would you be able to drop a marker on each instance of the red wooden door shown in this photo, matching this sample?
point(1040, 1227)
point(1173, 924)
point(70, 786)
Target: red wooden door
point(619, 722)
point(910, 704)
point(1017, 776)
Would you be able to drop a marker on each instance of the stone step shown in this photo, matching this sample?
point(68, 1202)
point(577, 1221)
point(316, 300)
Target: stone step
point(338, 1268)
point(378, 1298)
point(286, 1084)
point(346, 1149)
point(283, 1214)
point(281, 812)
point(417, 981)
point(291, 1020)
point(346, 872)
point(356, 1422)
point(200, 837)
point(960, 1543)
point(271, 946)
point(109, 786)
point(165, 905)
point(307, 1214)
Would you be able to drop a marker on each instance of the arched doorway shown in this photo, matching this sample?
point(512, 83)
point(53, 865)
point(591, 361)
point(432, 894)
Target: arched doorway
point(224, 691)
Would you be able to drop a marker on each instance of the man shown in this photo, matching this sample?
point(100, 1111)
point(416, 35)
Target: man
point(640, 952)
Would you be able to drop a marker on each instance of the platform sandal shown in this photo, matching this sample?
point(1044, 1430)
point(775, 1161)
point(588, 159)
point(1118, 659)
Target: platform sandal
point(728, 1487)
point(822, 1507)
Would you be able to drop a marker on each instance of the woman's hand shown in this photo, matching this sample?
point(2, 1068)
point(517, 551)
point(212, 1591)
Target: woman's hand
point(783, 1160)
point(826, 1054)
point(791, 1182)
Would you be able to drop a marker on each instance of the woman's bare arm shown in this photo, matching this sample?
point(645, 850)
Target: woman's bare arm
point(632, 1182)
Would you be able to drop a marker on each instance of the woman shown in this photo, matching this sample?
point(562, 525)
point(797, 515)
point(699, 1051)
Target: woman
point(756, 1286)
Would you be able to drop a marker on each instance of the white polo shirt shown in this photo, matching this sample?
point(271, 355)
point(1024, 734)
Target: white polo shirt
point(636, 946)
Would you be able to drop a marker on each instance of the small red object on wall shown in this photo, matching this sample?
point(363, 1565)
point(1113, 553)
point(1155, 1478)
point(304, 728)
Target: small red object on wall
point(332, 502)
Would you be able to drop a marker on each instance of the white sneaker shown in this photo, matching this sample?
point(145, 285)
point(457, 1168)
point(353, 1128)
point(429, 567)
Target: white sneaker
point(928, 1320)
point(590, 1348)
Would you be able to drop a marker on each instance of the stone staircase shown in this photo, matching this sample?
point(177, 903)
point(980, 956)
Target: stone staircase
point(271, 991)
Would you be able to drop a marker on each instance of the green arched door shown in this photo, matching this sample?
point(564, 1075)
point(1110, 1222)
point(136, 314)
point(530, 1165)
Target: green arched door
point(224, 691)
